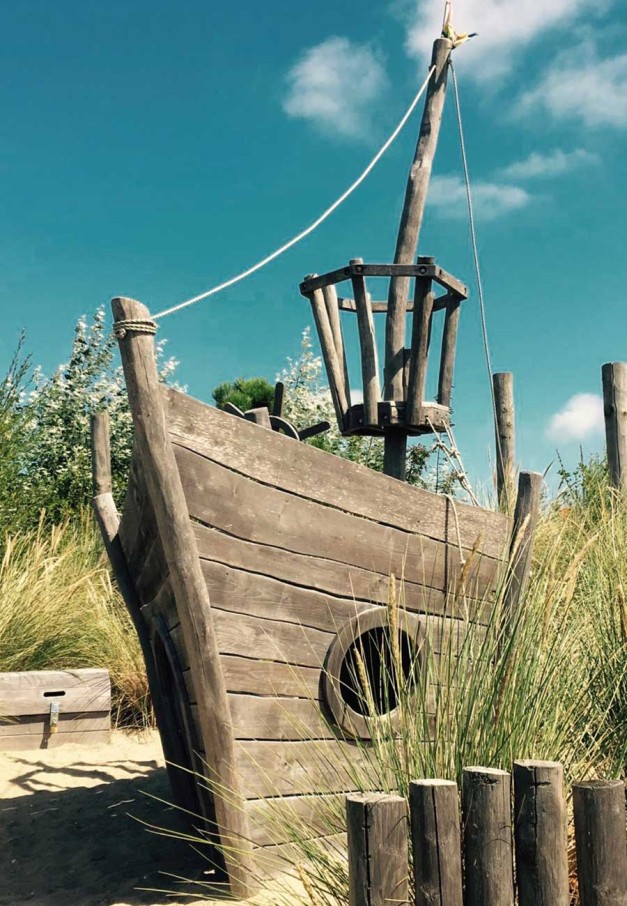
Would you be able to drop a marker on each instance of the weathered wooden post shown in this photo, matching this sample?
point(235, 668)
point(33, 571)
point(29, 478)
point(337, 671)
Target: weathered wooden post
point(599, 807)
point(377, 850)
point(614, 376)
point(503, 384)
point(436, 844)
point(487, 823)
point(540, 834)
point(526, 515)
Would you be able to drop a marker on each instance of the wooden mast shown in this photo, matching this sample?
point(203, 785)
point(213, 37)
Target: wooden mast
point(406, 247)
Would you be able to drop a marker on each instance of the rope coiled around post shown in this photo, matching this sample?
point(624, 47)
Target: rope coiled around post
point(134, 325)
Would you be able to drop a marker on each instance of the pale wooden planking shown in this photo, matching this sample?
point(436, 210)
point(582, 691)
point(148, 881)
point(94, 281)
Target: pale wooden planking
point(84, 690)
point(262, 717)
point(295, 768)
point(311, 473)
point(81, 737)
point(39, 725)
point(246, 509)
point(330, 577)
point(243, 674)
point(281, 857)
point(270, 820)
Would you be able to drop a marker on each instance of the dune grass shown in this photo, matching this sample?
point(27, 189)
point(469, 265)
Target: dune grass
point(59, 610)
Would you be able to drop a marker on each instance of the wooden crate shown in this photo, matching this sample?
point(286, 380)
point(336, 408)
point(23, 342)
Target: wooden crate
point(47, 708)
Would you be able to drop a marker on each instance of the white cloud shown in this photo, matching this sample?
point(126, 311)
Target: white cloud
point(334, 84)
point(581, 87)
point(447, 194)
point(556, 163)
point(505, 27)
point(579, 418)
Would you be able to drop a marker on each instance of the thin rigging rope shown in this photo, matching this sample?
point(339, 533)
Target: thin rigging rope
point(475, 250)
point(316, 223)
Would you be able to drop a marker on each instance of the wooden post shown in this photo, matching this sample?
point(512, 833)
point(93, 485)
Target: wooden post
point(337, 382)
point(447, 360)
point(421, 332)
point(377, 850)
point(411, 218)
point(614, 376)
point(333, 311)
point(503, 383)
point(521, 544)
point(259, 416)
point(101, 454)
point(599, 807)
point(436, 846)
point(187, 581)
point(540, 834)
point(368, 346)
point(487, 824)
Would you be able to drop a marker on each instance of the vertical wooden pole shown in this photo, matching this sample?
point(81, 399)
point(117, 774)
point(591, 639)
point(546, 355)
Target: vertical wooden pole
point(503, 383)
point(188, 583)
point(411, 218)
point(337, 384)
point(368, 345)
point(421, 332)
point(377, 850)
point(447, 360)
point(487, 824)
point(436, 845)
point(540, 834)
point(521, 544)
point(599, 807)
point(614, 376)
point(101, 454)
point(333, 311)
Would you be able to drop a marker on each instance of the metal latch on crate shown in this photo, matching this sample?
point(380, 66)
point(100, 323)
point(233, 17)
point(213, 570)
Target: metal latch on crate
point(55, 707)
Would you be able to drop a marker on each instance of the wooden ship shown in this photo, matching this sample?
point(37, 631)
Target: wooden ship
point(251, 562)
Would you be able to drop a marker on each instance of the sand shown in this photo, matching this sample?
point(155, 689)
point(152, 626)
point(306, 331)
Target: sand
point(69, 834)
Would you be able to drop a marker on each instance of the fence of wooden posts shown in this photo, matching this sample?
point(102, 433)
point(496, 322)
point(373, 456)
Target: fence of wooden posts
point(496, 855)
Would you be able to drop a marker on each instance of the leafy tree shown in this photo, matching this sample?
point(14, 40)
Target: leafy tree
point(245, 393)
point(14, 439)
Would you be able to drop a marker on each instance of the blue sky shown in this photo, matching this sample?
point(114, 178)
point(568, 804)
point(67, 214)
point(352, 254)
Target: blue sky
point(154, 149)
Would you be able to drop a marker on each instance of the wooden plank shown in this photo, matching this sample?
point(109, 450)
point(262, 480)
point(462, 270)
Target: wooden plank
point(540, 833)
point(296, 768)
point(447, 357)
point(168, 500)
point(267, 639)
point(279, 858)
point(245, 674)
point(274, 821)
point(39, 725)
point(223, 499)
point(487, 834)
point(257, 717)
point(368, 350)
point(418, 358)
point(377, 849)
point(614, 375)
point(307, 472)
point(29, 743)
point(328, 577)
point(379, 308)
point(599, 807)
point(436, 843)
point(505, 431)
point(79, 691)
point(332, 360)
point(333, 311)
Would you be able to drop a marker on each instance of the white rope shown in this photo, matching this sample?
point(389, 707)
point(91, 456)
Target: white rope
point(316, 223)
point(473, 240)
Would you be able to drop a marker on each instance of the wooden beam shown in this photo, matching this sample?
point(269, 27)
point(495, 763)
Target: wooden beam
point(101, 454)
point(521, 545)
point(615, 409)
point(411, 218)
point(487, 824)
point(418, 357)
point(599, 807)
point(333, 310)
point(447, 359)
point(377, 849)
point(540, 833)
point(368, 347)
point(335, 375)
point(436, 845)
point(505, 431)
point(188, 584)
point(380, 308)
point(397, 271)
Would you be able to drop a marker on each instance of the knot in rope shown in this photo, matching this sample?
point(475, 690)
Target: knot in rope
point(145, 325)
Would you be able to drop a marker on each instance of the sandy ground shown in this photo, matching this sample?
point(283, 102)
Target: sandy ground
point(69, 834)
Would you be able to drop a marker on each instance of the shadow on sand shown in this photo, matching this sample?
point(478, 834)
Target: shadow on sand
point(81, 847)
